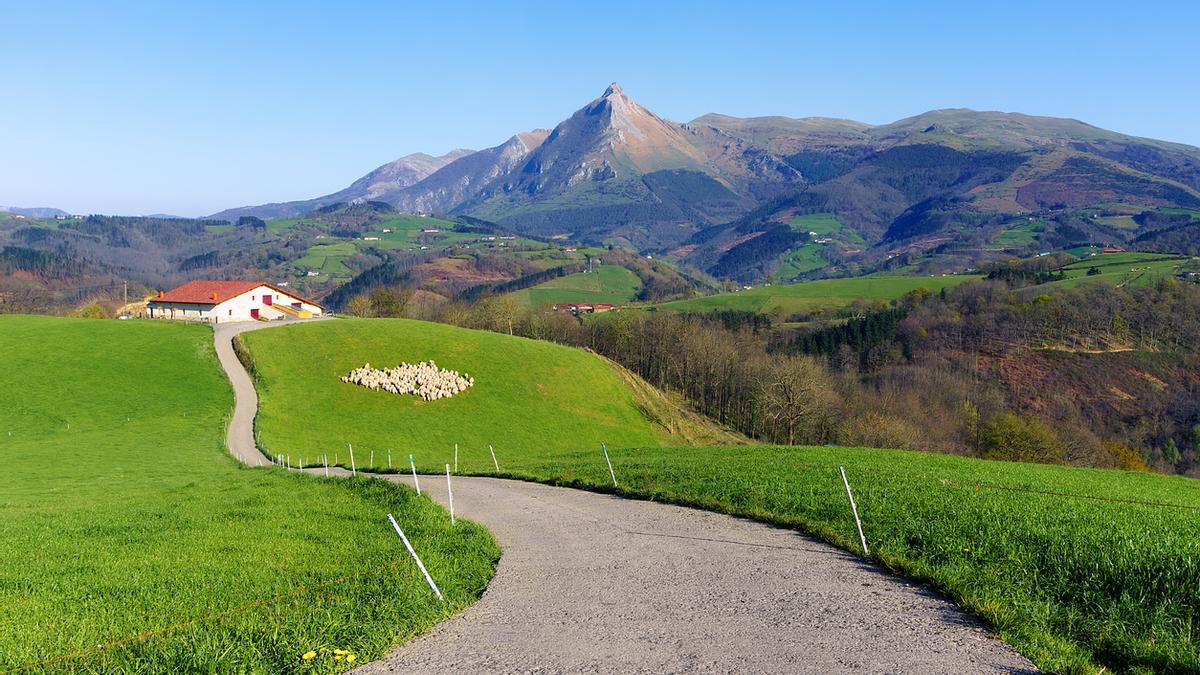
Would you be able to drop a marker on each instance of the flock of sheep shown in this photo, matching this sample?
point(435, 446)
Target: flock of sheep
point(423, 379)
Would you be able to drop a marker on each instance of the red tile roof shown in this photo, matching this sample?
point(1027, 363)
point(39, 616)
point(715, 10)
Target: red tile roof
point(210, 292)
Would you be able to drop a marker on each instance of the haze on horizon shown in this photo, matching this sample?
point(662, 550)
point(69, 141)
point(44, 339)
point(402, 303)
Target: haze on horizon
point(189, 110)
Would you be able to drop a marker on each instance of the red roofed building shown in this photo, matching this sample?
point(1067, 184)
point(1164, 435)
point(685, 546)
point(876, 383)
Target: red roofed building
point(226, 301)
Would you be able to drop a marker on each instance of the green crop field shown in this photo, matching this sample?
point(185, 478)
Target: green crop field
point(126, 523)
point(529, 396)
point(610, 284)
point(814, 295)
point(1066, 571)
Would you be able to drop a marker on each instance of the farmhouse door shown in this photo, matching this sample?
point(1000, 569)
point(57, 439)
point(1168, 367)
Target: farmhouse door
point(254, 313)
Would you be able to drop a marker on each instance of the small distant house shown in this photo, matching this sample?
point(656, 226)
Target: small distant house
point(583, 307)
point(229, 301)
point(370, 238)
point(387, 230)
point(312, 273)
point(430, 230)
point(569, 249)
point(1114, 249)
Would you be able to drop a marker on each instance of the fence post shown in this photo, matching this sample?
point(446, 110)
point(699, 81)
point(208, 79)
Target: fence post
point(854, 509)
point(325, 459)
point(416, 483)
point(450, 494)
point(389, 458)
point(414, 556)
point(607, 460)
point(494, 462)
point(353, 469)
point(455, 457)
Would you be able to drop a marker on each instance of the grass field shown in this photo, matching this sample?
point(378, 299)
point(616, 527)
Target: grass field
point(529, 396)
point(1126, 268)
point(124, 519)
point(1075, 583)
point(328, 258)
point(610, 284)
point(813, 295)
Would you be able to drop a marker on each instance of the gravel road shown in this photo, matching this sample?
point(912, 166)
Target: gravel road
point(596, 583)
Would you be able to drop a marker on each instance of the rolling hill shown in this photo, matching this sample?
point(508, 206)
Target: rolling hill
point(135, 543)
point(527, 394)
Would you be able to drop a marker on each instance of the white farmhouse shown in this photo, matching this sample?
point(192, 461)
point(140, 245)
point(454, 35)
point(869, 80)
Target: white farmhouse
point(226, 301)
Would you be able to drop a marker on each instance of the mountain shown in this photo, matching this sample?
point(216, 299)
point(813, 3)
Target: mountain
point(466, 177)
point(34, 212)
point(392, 176)
point(612, 171)
point(735, 196)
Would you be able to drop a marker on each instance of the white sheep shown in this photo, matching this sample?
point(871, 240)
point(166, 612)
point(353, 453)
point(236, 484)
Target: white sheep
point(423, 379)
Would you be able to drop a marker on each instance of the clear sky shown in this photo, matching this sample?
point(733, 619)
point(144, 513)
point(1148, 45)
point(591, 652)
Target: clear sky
point(189, 108)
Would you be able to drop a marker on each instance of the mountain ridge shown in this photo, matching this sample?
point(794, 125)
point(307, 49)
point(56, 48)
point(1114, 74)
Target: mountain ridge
point(616, 173)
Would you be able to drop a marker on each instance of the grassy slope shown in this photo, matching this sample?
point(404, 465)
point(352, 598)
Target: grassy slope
point(1071, 582)
point(1129, 268)
point(811, 295)
point(134, 518)
point(529, 396)
point(610, 284)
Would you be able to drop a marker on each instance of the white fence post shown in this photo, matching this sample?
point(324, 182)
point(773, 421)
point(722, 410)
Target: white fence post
point(353, 469)
point(325, 459)
point(414, 555)
point(854, 509)
point(494, 462)
point(606, 459)
point(456, 458)
point(416, 483)
point(450, 494)
point(389, 458)
point(372, 463)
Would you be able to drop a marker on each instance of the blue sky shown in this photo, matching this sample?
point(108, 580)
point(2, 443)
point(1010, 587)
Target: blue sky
point(189, 108)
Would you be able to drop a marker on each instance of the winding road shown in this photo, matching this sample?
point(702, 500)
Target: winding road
point(598, 583)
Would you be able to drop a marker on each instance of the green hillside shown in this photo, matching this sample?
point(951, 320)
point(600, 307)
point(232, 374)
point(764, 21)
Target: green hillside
point(1077, 568)
point(529, 396)
point(127, 525)
point(1127, 268)
point(813, 295)
point(610, 284)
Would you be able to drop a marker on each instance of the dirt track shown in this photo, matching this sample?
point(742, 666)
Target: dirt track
point(596, 583)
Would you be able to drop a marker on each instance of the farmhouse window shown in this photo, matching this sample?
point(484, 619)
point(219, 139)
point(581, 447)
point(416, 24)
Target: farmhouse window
point(266, 299)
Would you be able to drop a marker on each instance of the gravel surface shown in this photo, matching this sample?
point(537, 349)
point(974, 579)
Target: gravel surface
point(597, 583)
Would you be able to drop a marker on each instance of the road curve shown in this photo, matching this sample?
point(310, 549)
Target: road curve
point(598, 583)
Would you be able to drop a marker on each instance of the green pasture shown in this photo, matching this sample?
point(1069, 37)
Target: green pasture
point(133, 542)
point(828, 294)
point(610, 284)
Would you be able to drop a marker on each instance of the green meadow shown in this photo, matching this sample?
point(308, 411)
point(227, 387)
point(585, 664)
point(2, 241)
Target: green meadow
point(127, 525)
point(611, 284)
point(1126, 268)
point(529, 396)
point(808, 296)
point(1079, 569)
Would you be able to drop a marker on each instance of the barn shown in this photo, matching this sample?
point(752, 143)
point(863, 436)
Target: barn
point(227, 301)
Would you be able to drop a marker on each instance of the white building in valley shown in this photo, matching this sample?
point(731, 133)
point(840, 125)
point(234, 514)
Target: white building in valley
point(226, 301)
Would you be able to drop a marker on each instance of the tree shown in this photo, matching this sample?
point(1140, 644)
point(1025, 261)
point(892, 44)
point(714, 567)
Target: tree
point(359, 305)
point(389, 301)
point(1015, 438)
point(797, 397)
